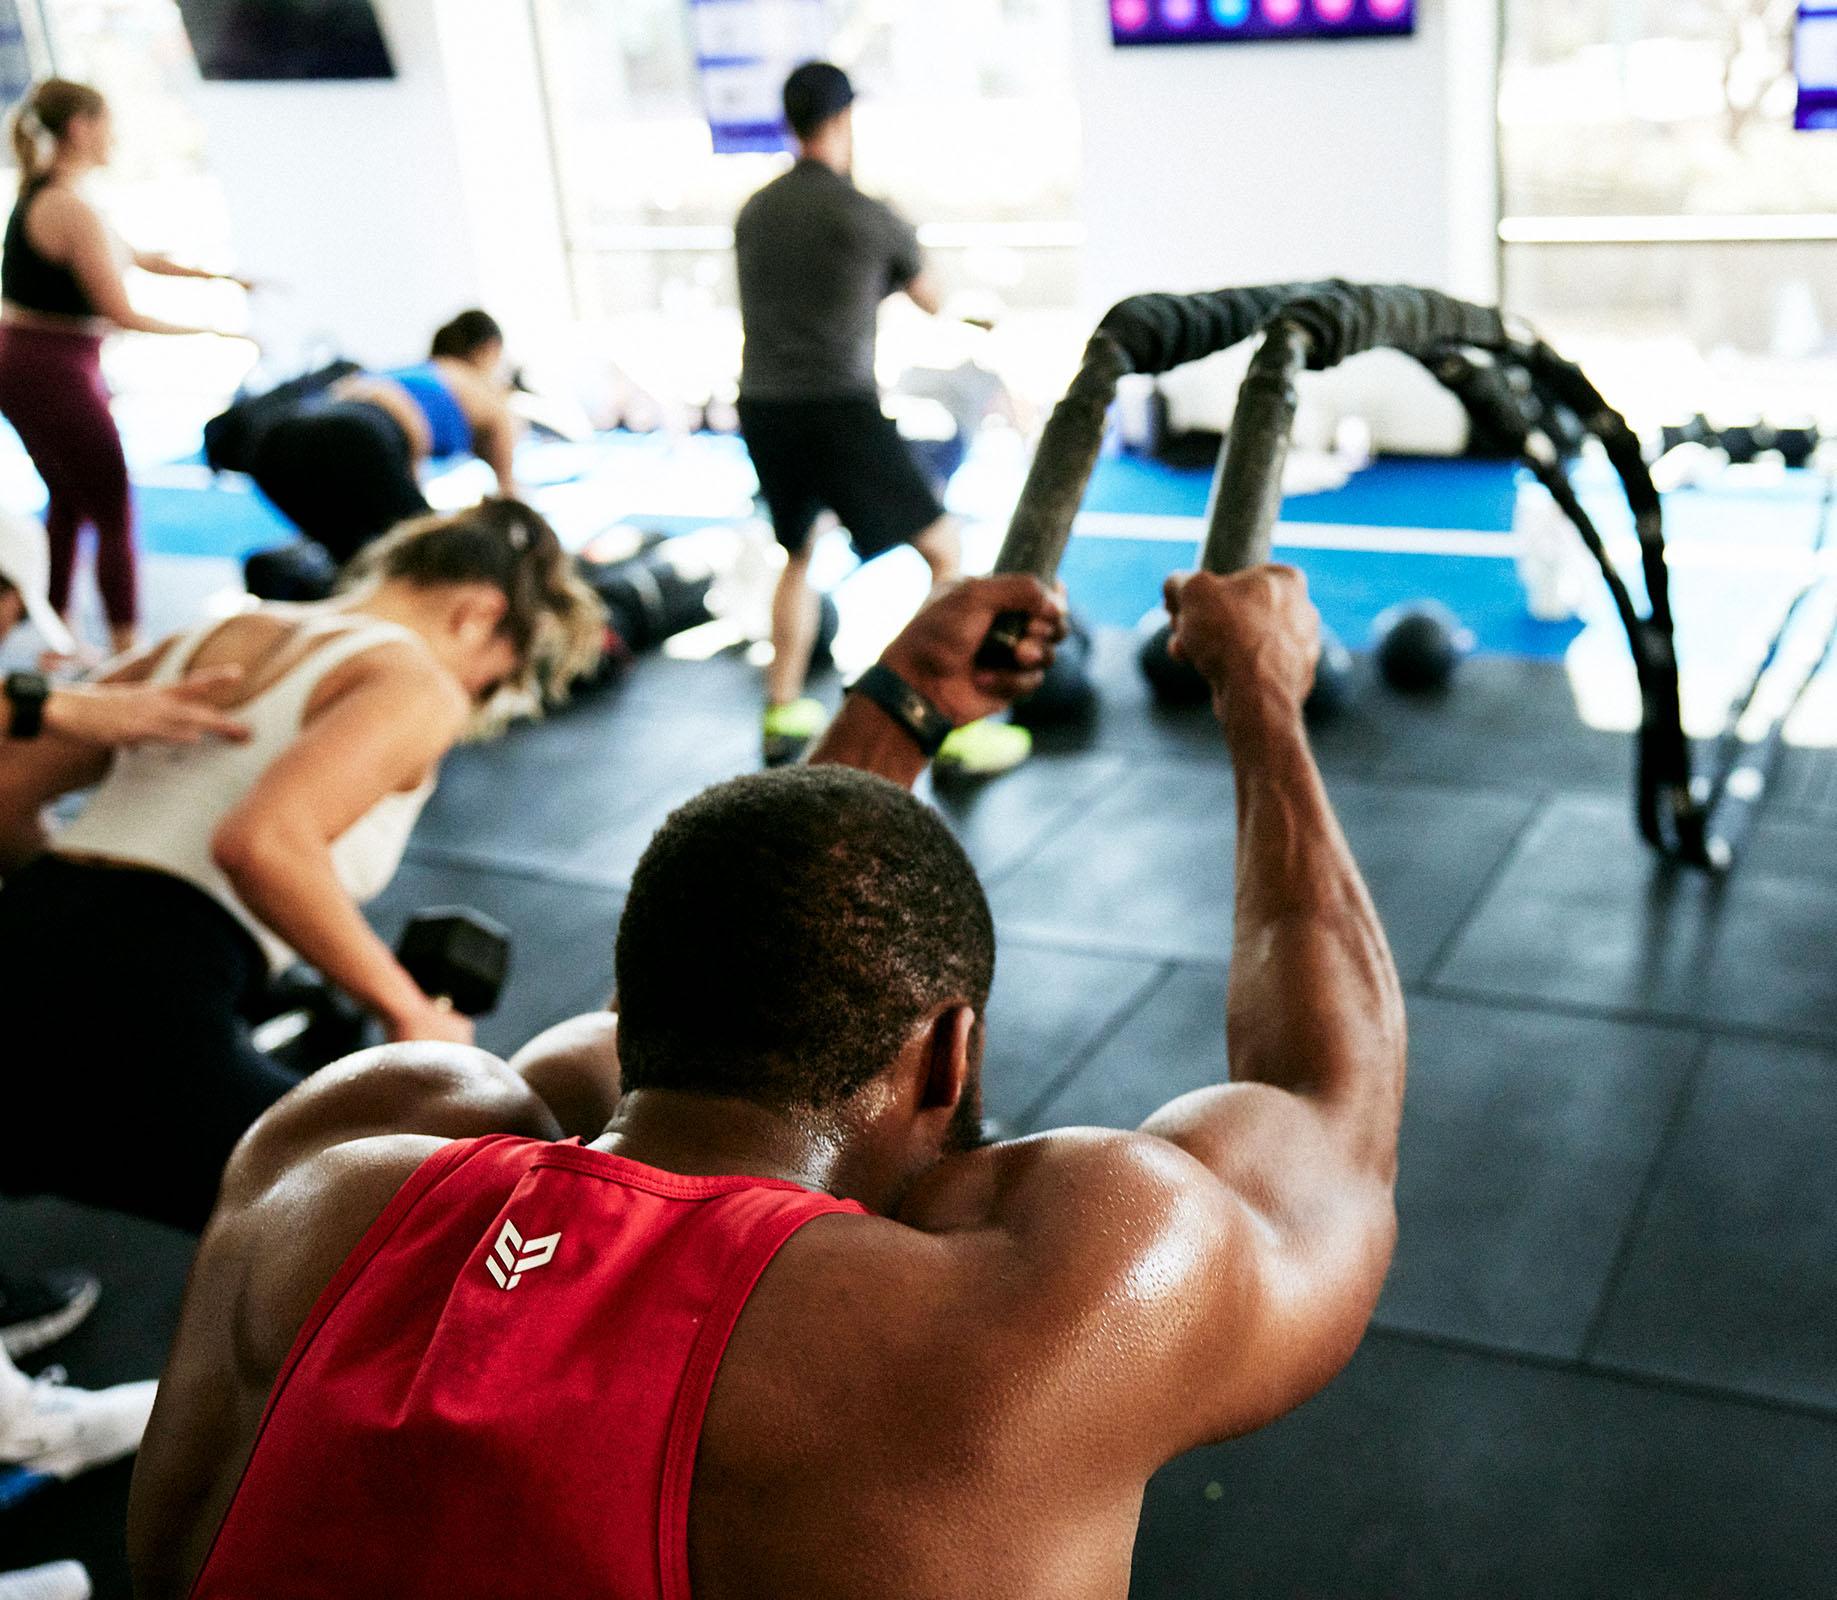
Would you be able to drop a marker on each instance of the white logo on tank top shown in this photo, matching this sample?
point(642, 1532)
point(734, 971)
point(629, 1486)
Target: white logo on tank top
point(519, 1255)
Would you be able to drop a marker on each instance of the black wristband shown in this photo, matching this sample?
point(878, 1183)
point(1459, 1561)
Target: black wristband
point(927, 725)
point(27, 693)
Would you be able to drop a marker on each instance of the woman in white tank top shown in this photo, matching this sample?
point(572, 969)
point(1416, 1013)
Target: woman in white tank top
point(133, 941)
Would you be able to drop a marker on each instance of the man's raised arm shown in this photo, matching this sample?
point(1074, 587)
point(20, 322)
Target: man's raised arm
point(1305, 1133)
point(935, 657)
point(1215, 1268)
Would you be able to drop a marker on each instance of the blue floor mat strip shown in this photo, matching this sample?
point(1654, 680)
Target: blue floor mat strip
point(226, 521)
point(1114, 581)
point(1390, 493)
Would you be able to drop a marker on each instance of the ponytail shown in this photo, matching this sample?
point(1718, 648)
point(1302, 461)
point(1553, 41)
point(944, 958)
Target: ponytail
point(43, 118)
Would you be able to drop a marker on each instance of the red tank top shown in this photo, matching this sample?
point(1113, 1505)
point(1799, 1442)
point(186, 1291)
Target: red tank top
point(502, 1390)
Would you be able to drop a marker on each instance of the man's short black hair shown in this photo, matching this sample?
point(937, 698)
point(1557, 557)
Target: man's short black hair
point(815, 92)
point(786, 931)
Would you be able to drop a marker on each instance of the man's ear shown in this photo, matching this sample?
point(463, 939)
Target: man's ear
point(947, 1058)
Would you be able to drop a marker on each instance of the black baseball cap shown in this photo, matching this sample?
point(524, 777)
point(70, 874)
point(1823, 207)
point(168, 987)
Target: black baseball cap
point(815, 92)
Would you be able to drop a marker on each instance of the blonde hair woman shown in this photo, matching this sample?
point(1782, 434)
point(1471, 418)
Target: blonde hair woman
point(134, 941)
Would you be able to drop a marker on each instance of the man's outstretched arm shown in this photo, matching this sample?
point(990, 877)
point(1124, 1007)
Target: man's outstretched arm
point(1304, 1136)
point(1213, 1269)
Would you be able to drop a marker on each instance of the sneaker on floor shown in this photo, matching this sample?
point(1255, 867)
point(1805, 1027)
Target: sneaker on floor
point(52, 1429)
point(61, 1580)
point(984, 749)
point(791, 729)
point(36, 1311)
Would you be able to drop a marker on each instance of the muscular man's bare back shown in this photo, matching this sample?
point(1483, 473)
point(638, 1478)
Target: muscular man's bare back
point(965, 1392)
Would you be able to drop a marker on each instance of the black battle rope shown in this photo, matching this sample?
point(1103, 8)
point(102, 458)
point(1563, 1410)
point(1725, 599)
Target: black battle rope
point(1498, 376)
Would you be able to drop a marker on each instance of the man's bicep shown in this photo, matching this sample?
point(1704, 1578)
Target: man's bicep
point(1322, 1227)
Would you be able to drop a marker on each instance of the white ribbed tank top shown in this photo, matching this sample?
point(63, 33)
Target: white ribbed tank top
point(160, 806)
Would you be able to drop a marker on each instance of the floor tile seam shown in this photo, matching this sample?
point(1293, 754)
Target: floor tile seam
point(1581, 1010)
point(1083, 800)
point(1612, 1372)
point(1539, 794)
point(1036, 936)
point(1540, 807)
point(1080, 1056)
point(1644, 1198)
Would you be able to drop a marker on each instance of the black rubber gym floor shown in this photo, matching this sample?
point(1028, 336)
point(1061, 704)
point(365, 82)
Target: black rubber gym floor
point(1606, 1361)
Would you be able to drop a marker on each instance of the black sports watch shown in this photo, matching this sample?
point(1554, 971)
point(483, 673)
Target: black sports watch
point(27, 693)
point(927, 725)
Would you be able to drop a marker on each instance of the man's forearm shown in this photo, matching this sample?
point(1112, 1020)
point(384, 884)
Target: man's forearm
point(865, 737)
point(1315, 1005)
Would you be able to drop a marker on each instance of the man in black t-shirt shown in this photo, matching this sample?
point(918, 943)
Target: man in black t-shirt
point(816, 257)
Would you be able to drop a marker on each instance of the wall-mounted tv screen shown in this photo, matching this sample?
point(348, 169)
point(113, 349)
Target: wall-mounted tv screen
point(1231, 21)
point(1814, 58)
point(265, 40)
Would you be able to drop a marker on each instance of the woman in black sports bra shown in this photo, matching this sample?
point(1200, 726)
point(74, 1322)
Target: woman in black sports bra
point(61, 288)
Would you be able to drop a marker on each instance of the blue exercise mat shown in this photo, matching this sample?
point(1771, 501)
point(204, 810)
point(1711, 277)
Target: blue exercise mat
point(1390, 493)
point(1115, 580)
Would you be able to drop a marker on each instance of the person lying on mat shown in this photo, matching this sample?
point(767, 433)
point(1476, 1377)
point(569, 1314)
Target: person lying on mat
point(194, 875)
point(344, 466)
point(781, 1327)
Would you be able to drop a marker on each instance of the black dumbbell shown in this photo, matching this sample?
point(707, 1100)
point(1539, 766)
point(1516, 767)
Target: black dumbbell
point(304, 1022)
point(1745, 440)
point(1694, 431)
point(456, 955)
point(453, 954)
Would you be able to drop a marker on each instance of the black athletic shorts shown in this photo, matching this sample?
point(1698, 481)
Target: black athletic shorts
point(341, 471)
point(844, 456)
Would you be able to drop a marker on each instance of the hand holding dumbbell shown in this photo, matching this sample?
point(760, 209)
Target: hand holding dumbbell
point(459, 960)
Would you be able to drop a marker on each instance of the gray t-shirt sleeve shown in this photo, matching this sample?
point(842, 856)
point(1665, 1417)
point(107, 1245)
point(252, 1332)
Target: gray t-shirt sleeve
point(905, 261)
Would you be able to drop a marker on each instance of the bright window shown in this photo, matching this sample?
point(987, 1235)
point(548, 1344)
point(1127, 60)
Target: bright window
point(967, 122)
point(1661, 216)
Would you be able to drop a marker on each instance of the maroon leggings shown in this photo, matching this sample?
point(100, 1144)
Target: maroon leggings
point(51, 390)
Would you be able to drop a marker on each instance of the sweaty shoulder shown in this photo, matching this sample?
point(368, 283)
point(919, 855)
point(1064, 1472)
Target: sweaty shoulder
point(1043, 1229)
point(319, 1167)
point(1036, 1292)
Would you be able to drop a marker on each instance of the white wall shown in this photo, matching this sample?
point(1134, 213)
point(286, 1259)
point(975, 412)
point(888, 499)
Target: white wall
point(379, 209)
point(501, 141)
point(1213, 165)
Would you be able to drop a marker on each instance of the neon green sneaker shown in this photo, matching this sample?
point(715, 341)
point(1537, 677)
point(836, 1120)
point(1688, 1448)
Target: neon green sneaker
point(984, 749)
point(790, 730)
